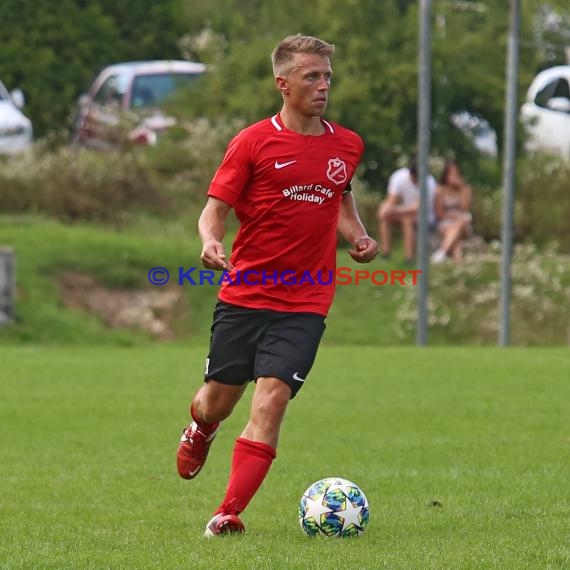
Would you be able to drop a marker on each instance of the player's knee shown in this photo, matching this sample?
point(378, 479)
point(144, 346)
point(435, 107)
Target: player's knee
point(215, 411)
point(211, 415)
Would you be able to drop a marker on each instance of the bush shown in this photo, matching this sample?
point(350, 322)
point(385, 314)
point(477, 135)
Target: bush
point(543, 201)
point(186, 159)
point(73, 183)
point(486, 208)
point(78, 184)
point(171, 179)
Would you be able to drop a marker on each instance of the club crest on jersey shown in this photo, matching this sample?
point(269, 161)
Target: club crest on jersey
point(337, 171)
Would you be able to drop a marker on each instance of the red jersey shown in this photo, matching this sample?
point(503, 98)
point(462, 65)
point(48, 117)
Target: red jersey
point(286, 189)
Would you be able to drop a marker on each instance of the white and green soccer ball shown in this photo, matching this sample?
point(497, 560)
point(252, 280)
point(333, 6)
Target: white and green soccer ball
point(334, 507)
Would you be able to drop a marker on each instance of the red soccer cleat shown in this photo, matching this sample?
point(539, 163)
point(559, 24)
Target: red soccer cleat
point(221, 525)
point(193, 450)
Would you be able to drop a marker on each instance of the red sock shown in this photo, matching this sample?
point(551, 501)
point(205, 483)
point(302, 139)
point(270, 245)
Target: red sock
point(250, 463)
point(205, 427)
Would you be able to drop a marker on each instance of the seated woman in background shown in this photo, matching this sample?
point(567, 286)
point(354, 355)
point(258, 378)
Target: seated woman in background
point(452, 209)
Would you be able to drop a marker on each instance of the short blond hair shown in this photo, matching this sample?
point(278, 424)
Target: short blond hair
point(283, 54)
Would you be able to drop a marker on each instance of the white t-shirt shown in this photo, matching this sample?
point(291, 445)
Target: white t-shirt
point(402, 185)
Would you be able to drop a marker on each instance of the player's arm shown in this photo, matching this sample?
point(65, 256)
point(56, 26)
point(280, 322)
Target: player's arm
point(212, 228)
point(353, 231)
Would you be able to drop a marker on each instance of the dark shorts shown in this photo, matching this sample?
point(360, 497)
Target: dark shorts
point(249, 343)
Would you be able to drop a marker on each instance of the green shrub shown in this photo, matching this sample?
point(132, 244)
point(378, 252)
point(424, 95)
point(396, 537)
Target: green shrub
point(170, 181)
point(543, 201)
point(186, 159)
point(73, 183)
point(542, 204)
point(486, 208)
point(77, 184)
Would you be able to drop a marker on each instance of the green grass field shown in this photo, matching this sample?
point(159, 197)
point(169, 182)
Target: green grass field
point(88, 479)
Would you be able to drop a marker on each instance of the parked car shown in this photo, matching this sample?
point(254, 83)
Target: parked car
point(124, 101)
point(16, 133)
point(546, 112)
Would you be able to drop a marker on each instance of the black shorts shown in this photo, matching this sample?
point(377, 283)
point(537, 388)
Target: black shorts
point(249, 343)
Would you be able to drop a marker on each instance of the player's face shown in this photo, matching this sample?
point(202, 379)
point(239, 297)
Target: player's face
point(306, 87)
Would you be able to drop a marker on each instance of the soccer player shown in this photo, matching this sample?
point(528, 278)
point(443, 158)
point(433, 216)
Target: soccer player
point(288, 179)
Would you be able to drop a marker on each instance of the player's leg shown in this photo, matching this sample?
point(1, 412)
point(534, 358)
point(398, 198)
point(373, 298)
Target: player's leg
point(229, 368)
point(253, 454)
point(268, 407)
point(215, 401)
point(284, 358)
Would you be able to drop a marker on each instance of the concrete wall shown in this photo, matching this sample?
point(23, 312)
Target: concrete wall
point(7, 285)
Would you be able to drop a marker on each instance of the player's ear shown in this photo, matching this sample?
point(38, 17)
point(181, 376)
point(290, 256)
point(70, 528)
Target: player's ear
point(281, 83)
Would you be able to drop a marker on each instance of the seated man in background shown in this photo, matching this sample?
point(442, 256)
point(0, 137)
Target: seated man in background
point(401, 207)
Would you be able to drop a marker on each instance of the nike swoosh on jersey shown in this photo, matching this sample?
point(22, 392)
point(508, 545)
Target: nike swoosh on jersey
point(297, 377)
point(279, 165)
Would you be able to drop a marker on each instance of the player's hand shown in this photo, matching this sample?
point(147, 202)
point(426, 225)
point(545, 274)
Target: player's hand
point(213, 256)
point(365, 250)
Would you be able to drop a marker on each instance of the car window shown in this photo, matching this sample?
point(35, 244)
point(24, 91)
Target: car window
point(562, 89)
point(4, 95)
point(109, 93)
point(151, 90)
point(558, 87)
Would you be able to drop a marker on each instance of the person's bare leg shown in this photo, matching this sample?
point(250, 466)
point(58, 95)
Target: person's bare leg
point(268, 407)
point(385, 232)
point(212, 403)
point(457, 252)
point(215, 401)
point(409, 234)
point(450, 236)
point(457, 249)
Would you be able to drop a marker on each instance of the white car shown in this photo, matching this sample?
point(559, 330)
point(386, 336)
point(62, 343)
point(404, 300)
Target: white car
point(130, 95)
point(16, 133)
point(546, 113)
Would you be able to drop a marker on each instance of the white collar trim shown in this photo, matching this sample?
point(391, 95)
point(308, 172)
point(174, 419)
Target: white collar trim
point(276, 123)
point(330, 127)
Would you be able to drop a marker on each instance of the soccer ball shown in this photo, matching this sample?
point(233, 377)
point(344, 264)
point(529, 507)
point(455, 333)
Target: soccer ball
point(333, 507)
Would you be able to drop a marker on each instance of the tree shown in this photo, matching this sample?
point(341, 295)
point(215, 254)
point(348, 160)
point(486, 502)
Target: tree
point(52, 49)
point(375, 81)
